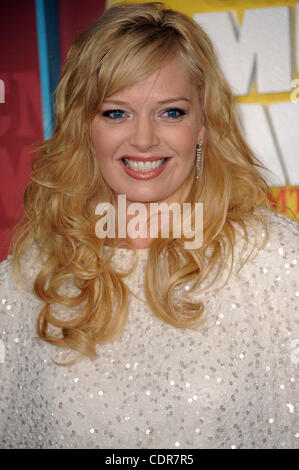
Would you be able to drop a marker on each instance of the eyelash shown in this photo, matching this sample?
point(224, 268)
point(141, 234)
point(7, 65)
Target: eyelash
point(108, 112)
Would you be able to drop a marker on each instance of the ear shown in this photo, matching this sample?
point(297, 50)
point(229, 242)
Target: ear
point(201, 133)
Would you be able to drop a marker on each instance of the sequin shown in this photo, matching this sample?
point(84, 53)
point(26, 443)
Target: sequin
point(228, 384)
point(290, 407)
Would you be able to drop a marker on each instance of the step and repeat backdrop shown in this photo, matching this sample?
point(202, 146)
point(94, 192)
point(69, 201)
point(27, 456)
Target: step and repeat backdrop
point(257, 43)
point(20, 93)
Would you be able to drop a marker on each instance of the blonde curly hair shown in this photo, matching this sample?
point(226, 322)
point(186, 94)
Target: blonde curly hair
point(127, 44)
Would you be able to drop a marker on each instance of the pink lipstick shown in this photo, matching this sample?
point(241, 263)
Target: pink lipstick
point(143, 174)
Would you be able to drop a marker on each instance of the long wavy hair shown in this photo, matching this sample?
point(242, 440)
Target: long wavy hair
point(126, 44)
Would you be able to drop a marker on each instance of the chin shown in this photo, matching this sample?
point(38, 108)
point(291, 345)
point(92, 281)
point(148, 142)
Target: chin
point(147, 198)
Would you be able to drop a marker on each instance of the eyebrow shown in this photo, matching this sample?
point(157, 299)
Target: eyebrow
point(168, 100)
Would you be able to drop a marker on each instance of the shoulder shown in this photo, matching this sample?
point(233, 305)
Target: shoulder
point(10, 291)
point(23, 279)
point(270, 276)
point(16, 288)
point(5, 270)
point(267, 280)
point(282, 240)
point(272, 240)
point(276, 227)
point(7, 281)
point(281, 228)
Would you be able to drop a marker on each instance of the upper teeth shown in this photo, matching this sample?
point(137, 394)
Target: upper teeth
point(143, 166)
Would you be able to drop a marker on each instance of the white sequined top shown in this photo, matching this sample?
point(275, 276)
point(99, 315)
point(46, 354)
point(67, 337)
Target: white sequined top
point(229, 385)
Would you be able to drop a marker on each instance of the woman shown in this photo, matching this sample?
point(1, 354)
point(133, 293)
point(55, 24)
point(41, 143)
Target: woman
point(178, 347)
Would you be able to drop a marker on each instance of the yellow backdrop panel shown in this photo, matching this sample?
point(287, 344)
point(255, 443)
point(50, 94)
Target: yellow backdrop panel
point(285, 199)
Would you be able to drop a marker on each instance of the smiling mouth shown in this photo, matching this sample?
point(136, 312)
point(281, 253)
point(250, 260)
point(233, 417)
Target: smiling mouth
point(144, 166)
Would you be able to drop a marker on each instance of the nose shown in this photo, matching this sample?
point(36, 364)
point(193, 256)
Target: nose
point(144, 133)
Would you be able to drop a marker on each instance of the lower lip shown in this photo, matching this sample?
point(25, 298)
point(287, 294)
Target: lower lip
point(144, 175)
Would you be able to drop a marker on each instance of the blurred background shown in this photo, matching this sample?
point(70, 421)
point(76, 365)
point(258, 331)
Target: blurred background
point(257, 43)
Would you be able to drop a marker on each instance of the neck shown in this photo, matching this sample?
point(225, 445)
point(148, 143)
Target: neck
point(140, 222)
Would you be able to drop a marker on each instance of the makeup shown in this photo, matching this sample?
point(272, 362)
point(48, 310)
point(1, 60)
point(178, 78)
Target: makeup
point(144, 168)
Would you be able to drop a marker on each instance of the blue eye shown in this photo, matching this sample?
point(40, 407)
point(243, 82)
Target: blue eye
point(116, 114)
point(173, 112)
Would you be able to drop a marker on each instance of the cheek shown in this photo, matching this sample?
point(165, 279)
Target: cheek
point(183, 139)
point(102, 144)
point(187, 154)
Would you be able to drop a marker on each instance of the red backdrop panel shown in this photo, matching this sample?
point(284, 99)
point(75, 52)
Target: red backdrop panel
point(75, 16)
point(20, 114)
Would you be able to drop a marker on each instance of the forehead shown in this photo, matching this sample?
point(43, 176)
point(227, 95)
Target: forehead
point(170, 80)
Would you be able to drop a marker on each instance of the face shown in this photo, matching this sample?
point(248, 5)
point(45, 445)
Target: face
point(145, 136)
